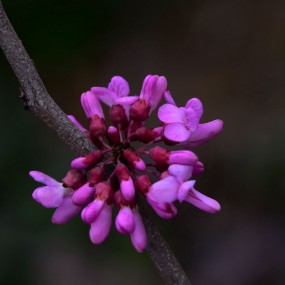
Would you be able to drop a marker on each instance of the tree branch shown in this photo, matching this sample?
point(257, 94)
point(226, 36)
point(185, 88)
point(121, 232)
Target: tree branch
point(39, 102)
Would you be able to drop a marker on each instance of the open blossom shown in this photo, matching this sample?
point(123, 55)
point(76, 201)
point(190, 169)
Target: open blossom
point(182, 124)
point(116, 172)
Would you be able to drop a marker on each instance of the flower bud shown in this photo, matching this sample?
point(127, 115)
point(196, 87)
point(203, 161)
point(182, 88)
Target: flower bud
point(74, 179)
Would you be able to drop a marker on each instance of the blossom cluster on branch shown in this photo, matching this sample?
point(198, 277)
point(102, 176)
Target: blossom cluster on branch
point(130, 161)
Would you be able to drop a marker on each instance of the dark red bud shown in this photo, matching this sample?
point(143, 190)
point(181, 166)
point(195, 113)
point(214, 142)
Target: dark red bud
point(143, 183)
point(131, 156)
point(114, 136)
point(97, 127)
point(145, 135)
point(139, 111)
point(74, 179)
point(97, 175)
point(118, 116)
point(159, 154)
point(121, 201)
point(122, 172)
point(93, 157)
point(104, 192)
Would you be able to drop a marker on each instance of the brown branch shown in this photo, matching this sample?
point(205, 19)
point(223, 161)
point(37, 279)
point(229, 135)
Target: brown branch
point(39, 102)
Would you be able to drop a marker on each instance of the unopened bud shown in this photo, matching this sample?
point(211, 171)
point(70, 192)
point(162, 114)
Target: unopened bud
point(139, 111)
point(113, 135)
point(134, 160)
point(74, 179)
point(143, 183)
point(118, 116)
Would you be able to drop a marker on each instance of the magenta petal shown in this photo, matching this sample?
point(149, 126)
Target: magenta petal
point(43, 178)
point(164, 190)
point(202, 201)
point(192, 119)
point(168, 113)
point(66, 211)
point(186, 157)
point(76, 123)
point(100, 228)
point(157, 92)
point(196, 105)
point(198, 168)
point(138, 236)
point(168, 98)
point(104, 95)
point(119, 86)
point(176, 132)
point(180, 172)
point(184, 190)
point(92, 211)
point(126, 102)
point(49, 196)
point(35, 194)
point(205, 132)
point(164, 210)
point(125, 222)
point(91, 105)
point(128, 189)
point(84, 194)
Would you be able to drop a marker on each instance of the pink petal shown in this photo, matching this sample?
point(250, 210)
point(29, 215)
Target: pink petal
point(164, 191)
point(43, 178)
point(126, 102)
point(128, 189)
point(153, 89)
point(186, 157)
point(203, 202)
point(100, 228)
point(176, 132)
point(138, 236)
point(198, 168)
point(180, 172)
point(196, 105)
point(205, 132)
point(168, 98)
point(92, 211)
point(66, 211)
point(168, 113)
point(49, 196)
point(104, 95)
point(91, 105)
point(184, 189)
point(77, 124)
point(125, 221)
point(84, 194)
point(192, 119)
point(164, 210)
point(157, 93)
point(119, 86)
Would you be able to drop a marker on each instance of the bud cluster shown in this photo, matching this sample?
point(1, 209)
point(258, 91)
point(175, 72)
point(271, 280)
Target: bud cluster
point(118, 171)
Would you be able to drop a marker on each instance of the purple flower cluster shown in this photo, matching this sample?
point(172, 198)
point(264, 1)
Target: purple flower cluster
point(116, 172)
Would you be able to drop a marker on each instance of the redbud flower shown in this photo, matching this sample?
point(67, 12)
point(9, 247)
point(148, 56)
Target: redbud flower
point(55, 195)
point(128, 161)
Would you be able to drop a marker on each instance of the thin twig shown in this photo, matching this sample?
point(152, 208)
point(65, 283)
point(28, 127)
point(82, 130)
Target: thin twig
point(39, 102)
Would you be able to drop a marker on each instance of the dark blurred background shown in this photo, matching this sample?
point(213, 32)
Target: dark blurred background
point(231, 55)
